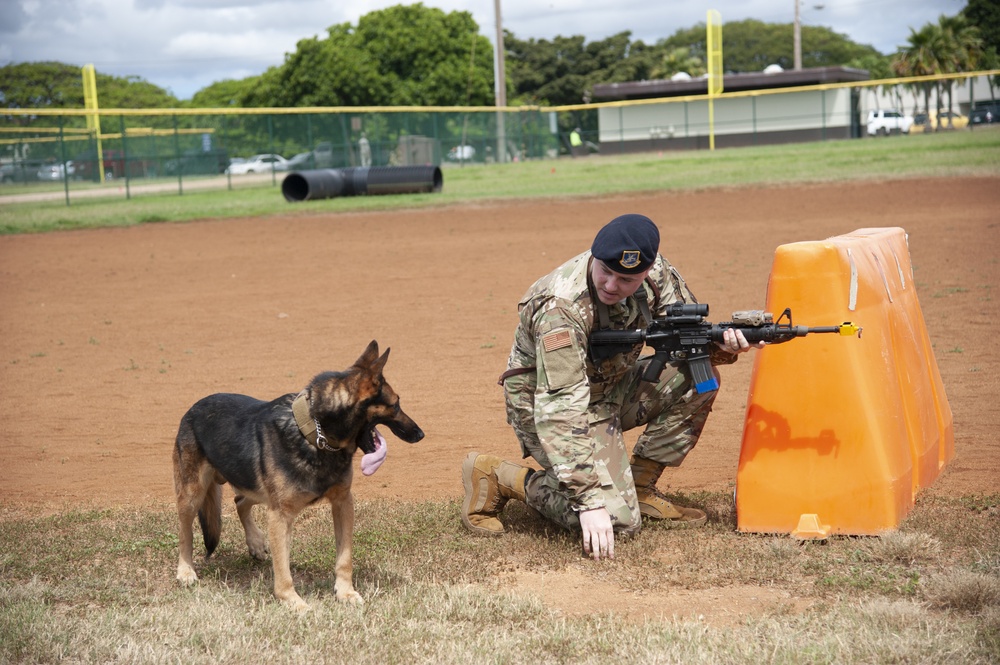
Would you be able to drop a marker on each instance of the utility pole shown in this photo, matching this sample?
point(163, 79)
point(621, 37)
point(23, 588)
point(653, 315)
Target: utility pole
point(797, 39)
point(501, 86)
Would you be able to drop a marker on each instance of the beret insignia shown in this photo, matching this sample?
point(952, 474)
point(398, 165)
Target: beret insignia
point(630, 258)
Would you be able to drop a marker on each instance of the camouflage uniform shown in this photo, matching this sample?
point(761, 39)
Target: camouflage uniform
point(569, 413)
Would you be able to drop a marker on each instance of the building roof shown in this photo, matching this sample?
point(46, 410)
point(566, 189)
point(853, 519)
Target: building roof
point(730, 83)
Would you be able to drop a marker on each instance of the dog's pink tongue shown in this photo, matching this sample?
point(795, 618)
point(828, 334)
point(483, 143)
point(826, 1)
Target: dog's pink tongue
point(372, 461)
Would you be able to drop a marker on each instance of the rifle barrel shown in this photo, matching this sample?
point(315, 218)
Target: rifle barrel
point(847, 329)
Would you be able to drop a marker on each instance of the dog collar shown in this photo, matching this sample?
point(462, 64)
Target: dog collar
point(308, 425)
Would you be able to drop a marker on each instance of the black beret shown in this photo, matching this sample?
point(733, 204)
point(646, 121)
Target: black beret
point(627, 244)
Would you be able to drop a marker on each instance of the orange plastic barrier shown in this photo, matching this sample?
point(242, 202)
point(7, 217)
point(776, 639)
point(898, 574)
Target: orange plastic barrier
point(841, 433)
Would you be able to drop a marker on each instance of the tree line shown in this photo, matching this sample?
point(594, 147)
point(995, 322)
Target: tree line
point(412, 55)
point(952, 45)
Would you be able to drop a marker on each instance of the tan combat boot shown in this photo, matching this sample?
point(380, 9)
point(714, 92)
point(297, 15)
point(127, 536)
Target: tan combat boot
point(653, 504)
point(489, 482)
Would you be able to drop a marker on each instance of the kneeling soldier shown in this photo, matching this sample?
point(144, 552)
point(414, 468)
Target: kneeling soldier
point(569, 407)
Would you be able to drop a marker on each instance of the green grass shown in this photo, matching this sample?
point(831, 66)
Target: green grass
point(960, 153)
point(97, 586)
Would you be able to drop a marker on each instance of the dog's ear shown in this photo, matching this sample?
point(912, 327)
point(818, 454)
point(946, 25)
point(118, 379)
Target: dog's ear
point(369, 356)
point(379, 364)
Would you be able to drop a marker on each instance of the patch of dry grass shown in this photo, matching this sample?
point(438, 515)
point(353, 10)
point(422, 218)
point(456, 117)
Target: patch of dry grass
point(98, 587)
point(963, 590)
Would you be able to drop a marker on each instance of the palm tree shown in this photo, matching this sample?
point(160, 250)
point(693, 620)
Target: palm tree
point(950, 46)
point(880, 67)
point(963, 48)
point(922, 58)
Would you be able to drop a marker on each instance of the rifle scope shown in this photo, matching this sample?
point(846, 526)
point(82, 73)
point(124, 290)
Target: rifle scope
point(684, 309)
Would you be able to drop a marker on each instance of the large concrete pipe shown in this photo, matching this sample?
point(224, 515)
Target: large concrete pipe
point(328, 183)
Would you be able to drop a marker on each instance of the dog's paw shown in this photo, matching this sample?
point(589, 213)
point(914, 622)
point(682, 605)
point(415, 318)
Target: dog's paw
point(259, 550)
point(350, 596)
point(296, 604)
point(186, 575)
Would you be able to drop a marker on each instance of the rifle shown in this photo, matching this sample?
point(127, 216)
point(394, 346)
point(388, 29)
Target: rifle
point(684, 335)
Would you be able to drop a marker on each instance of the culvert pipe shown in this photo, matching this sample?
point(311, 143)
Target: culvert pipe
point(358, 180)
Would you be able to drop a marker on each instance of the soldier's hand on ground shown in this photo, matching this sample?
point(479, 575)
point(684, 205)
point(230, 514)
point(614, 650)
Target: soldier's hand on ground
point(598, 534)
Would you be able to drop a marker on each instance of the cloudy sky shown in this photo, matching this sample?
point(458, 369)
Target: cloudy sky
point(184, 45)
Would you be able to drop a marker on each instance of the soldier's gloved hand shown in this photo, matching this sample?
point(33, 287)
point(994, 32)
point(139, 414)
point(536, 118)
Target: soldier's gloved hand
point(598, 534)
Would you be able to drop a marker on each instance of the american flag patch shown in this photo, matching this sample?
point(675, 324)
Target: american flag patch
point(556, 340)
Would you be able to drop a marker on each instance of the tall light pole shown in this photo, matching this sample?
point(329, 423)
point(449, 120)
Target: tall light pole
point(501, 85)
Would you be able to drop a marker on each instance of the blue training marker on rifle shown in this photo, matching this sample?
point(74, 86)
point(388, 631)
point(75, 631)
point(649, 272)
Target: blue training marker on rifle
point(704, 378)
point(708, 385)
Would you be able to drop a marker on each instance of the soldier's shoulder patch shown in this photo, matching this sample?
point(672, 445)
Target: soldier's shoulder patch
point(558, 339)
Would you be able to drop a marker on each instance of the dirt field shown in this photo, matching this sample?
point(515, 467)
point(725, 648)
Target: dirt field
point(107, 336)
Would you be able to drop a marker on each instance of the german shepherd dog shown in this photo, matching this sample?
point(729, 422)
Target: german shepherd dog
point(286, 454)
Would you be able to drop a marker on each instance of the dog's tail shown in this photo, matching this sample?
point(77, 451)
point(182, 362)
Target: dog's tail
point(210, 518)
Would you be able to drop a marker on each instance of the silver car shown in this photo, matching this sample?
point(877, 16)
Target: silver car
point(55, 172)
point(259, 164)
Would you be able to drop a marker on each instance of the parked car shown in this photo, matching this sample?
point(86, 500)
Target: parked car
point(888, 121)
point(198, 162)
point(54, 172)
point(927, 122)
point(323, 155)
point(115, 166)
point(259, 164)
point(462, 153)
point(983, 117)
point(24, 171)
point(304, 161)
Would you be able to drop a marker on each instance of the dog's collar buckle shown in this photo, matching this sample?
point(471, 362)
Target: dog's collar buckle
point(321, 441)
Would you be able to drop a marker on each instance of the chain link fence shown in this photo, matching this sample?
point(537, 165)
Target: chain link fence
point(181, 145)
point(58, 149)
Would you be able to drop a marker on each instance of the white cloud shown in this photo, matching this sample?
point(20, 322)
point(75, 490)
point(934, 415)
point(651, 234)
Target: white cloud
point(259, 48)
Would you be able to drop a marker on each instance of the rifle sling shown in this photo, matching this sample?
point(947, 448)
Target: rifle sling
point(514, 372)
